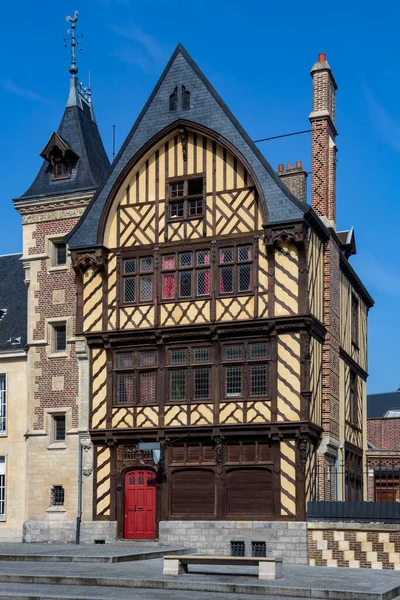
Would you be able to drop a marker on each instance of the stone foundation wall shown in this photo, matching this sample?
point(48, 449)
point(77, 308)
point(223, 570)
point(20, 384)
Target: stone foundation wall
point(64, 532)
point(354, 545)
point(282, 538)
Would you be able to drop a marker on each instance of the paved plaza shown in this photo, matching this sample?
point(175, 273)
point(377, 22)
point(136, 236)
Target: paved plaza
point(39, 572)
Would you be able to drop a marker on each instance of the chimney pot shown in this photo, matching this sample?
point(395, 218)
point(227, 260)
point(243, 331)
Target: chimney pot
point(289, 166)
point(298, 164)
point(322, 57)
point(280, 167)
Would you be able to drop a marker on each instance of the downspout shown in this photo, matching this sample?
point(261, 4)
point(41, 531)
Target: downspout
point(79, 513)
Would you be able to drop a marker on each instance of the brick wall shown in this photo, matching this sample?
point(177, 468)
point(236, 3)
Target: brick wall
point(354, 545)
point(384, 433)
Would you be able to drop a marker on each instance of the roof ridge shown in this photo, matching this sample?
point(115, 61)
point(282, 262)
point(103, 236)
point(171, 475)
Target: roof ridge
point(11, 254)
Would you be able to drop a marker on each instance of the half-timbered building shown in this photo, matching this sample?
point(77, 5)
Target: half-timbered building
point(196, 338)
point(226, 327)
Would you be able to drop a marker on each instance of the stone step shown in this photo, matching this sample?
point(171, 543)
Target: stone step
point(39, 592)
point(157, 552)
point(227, 590)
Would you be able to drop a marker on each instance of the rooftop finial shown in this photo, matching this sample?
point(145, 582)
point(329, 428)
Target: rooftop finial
point(72, 42)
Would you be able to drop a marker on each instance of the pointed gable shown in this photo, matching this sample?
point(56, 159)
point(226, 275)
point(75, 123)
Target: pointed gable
point(77, 137)
point(183, 92)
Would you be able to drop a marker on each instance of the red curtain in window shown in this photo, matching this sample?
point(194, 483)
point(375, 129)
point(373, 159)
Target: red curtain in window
point(168, 262)
point(221, 280)
point(168, 286)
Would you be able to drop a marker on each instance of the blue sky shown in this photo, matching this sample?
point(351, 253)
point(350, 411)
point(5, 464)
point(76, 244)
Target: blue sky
point(258, 56)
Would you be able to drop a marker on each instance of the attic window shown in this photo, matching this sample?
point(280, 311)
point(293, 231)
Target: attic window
point(173, 100)
point(183, 98)
point(61, 171)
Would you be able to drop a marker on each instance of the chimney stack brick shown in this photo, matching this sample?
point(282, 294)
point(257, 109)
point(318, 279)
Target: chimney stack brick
point(323, 144)
point(295, 178)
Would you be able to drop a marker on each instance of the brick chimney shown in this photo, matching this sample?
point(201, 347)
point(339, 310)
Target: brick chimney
point(295, 179)
point(323, 144)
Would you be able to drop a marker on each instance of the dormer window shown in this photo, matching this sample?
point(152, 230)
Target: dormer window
point(60, 155)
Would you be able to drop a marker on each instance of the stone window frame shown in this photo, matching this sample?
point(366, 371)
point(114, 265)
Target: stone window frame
point(4, 401)
point(3, 517)
point(49, 415)
point(50, 251)
point(50, 323)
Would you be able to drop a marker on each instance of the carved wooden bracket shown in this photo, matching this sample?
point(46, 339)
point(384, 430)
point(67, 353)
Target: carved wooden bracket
point(95, 258)
point(294, 234)
point(182, 132)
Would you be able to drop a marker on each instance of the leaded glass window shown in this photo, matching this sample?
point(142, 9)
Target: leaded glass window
point(135, 376)
point(137, 279)
point(235, 270)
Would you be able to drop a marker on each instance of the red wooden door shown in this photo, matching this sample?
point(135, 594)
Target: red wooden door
point(140, 504)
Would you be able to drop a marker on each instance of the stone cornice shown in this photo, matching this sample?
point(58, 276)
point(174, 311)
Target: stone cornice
point(54, 203)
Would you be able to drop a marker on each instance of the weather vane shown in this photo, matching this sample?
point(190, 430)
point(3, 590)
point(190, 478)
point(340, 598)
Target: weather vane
point(72, 42)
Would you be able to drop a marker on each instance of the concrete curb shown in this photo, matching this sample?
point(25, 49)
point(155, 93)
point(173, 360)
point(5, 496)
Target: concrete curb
point(194, 586)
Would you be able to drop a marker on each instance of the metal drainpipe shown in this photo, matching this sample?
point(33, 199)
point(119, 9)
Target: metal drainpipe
point(79, 513)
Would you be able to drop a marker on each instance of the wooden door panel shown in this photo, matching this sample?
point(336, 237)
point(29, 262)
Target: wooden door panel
point(139, 507)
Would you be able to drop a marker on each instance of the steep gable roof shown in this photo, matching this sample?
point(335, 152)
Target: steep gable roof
point(79, 132)
point(13, 304)
point(207, 109)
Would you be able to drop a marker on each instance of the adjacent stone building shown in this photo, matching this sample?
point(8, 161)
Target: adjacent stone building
point(13, 398)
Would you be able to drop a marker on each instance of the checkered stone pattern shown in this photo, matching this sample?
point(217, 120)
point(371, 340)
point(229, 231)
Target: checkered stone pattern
point(354, 549)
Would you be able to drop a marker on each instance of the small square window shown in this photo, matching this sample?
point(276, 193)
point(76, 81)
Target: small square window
point(60, 170)
point(60, 253)
point(59, 428)
point(147, 359)
point(195, 187)
point(203, 258)
point(176, 209)
point(178, 357)
point(57, 496)
point(185, 259)
point(130, 266)
point(176, 189)
point(195, 207)
point(168, 262)
point(226, 255)
point(202, 355)
point(244, 253)
point(146, 264)
point(60, 337)
point(125, 361)
point(234, 353)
